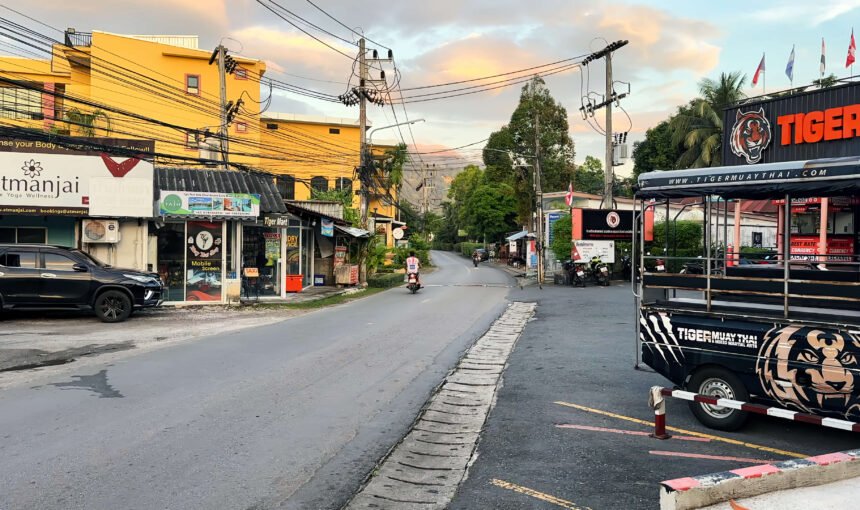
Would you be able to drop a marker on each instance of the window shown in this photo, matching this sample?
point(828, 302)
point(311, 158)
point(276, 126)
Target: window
point(57, 262)
point(319, 184)
point(271, 126)
point(20, 103)
point(344, 184)
point(286, 186)
point(241, 74)
point(7, 235)
point(192, 84)
point(24, 259)
point(241, 127)
point(334, 131)
point(23, 235)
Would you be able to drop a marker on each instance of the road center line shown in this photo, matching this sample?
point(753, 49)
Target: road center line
point(563, 503)
point(626, 432)
point(683, 431)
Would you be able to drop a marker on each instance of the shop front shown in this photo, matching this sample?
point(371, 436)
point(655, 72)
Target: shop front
point(210, 234)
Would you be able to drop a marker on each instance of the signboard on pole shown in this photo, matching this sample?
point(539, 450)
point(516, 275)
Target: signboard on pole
point(586, 250)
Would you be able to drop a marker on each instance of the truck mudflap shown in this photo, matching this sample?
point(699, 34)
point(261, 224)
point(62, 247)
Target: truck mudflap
point(798, 366)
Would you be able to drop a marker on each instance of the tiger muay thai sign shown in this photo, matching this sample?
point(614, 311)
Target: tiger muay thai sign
point(822, 123)
point(599, 224)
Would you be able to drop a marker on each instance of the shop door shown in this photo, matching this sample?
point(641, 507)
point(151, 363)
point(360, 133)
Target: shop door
point(171, 260)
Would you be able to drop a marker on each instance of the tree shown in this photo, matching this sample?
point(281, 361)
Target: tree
point(518, 139)
point(561, 237)
point(656, 151)
point(490, 211)
point(85, 123)
point(588, 177)
point(827, 81)
point(698, 128)
point(344, 197)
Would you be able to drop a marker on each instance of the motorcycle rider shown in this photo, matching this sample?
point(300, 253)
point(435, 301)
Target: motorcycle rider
point(413, 265)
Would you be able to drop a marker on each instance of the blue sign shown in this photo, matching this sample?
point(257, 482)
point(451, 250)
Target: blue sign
point(327, 228)
point(551, 219)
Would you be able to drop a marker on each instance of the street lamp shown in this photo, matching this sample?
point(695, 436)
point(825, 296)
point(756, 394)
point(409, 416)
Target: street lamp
point(370, 135)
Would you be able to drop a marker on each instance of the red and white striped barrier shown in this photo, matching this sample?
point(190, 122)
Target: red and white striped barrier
point(752, 408)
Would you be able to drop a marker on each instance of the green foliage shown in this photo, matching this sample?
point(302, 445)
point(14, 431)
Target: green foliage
point(656, 151)
point(561, 241)
point(490, 211)
point(385, 281)
point(827, 81)
point(466, 249)
point(683, 235)
point(86, 122)
point(588, 177)
point(350, 215)
point(446, 230)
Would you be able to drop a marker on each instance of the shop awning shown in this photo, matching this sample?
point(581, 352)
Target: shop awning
point(353, 232)
point(221, 181)
point(517, 236)
point(308, 211)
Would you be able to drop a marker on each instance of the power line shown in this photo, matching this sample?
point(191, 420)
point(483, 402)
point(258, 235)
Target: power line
point(345, 26)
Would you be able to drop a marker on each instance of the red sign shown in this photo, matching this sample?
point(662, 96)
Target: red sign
point(805, 247)
point(816, 126)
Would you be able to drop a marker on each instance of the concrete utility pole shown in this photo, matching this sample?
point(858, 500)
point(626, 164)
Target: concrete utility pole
point(539, 199)
point(609, 169)
point(362, 126)
point(222, 77)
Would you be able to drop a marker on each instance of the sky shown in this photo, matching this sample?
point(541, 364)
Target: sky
point(673, 44)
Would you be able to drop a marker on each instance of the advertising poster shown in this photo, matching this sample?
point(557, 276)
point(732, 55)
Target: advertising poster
point(586, 250)
point(204, 254)
point(189, 203)
point(273, 247)
point(327, 228)
point(805, 247)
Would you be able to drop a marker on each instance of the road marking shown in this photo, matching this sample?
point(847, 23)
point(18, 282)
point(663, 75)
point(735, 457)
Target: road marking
point(563, 503)
point(425, 301)
point(711, 457)
point(688, 432)
point(627, 432)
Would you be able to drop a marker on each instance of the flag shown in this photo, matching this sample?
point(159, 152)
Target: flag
point(758, 71)
point(851, 48)
point(568, 198)
point(789, 67)
point(821, 66)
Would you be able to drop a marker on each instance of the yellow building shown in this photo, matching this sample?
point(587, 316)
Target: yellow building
point(108, 85)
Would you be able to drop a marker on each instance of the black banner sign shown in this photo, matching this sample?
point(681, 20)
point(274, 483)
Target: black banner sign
point(607, 225)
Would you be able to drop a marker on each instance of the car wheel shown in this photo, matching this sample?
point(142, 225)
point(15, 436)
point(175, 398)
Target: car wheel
point(720, 383)
point(113, 306)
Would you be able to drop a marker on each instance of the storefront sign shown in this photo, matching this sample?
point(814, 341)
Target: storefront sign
point(593, 224)
point(512, 247)
point(339, 256)
point(42, 178)
point(822, 123)
point(204, 255)
point(584, 251)
point(208, 205)
point(806, 247)
point(273, 247)
point(551, 218)
point(327, 228)
point(277, 220)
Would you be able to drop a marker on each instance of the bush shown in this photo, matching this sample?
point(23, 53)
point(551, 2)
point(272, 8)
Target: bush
point(467, 248)
point(385, 280)
point(437, 245)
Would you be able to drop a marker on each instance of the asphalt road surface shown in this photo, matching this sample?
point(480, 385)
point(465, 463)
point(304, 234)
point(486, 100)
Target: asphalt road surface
point(537, 452)
point(289, 415)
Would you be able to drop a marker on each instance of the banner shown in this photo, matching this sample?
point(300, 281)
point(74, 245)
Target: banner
point(208, 205)
point(616, 225)
point(42, 178)
point(204, 256)
point(586, 250)
point(327, 228)
point(806, 247)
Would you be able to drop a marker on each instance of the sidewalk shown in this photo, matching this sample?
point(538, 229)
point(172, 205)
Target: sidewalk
point(305, 296)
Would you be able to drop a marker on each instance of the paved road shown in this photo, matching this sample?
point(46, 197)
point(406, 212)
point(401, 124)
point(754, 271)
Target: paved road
point(290, 415)
point(579, 350)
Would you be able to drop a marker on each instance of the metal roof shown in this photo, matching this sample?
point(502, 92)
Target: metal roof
point(354, 232)
point(517, 236)
point(221, 181)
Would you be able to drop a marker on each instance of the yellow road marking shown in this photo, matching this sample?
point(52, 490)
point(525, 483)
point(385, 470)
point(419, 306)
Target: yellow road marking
point(688, 432)
point(537, 495)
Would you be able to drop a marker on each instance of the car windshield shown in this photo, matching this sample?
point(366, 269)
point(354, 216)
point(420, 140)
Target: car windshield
point(90, 258)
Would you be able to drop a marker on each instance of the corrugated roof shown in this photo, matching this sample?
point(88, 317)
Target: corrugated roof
point(221, 181)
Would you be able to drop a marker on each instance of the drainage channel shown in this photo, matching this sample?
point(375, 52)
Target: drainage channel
point(425, 469)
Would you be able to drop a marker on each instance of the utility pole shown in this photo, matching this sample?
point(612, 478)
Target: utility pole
point(611, 97)
point(362, 127)
point(539, 201)
point(609, 169)
point(222, 77)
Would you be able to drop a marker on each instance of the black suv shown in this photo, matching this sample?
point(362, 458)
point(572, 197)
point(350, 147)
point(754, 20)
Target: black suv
point(40, 277)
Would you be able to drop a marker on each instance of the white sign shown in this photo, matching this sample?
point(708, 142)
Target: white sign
point(586, 250)
point(512, 247)
point(397, 233)
point(45, 179)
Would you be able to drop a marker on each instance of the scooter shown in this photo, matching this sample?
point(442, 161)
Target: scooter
point(475, 260)
point(412, 283)
point(600, 272)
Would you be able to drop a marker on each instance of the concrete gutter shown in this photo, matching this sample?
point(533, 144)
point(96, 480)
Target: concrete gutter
point(702, 491)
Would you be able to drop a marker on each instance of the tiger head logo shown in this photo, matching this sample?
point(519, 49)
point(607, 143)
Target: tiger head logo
point(750, 135)
point(811, 369)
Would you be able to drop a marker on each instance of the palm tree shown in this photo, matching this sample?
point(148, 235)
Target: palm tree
point(826, 81)
point(86, 122)
point(697, 129)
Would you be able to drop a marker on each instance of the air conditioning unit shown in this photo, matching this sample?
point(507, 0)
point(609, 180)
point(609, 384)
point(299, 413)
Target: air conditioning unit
point(99, 231)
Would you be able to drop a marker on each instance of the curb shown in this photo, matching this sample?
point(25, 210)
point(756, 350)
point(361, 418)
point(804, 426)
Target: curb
point(699, 491)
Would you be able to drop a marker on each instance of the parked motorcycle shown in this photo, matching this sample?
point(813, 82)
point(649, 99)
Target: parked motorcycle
point(626, 266)
point(412, 283)
point(600, 272)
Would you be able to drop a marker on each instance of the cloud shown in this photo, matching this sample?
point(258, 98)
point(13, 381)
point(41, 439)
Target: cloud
point(807, 13)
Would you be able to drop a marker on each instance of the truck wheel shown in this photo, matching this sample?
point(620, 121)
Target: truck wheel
point(113, 306)
point(720, 383)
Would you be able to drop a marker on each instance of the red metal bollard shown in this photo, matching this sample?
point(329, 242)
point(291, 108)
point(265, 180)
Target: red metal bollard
point(656, 401)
